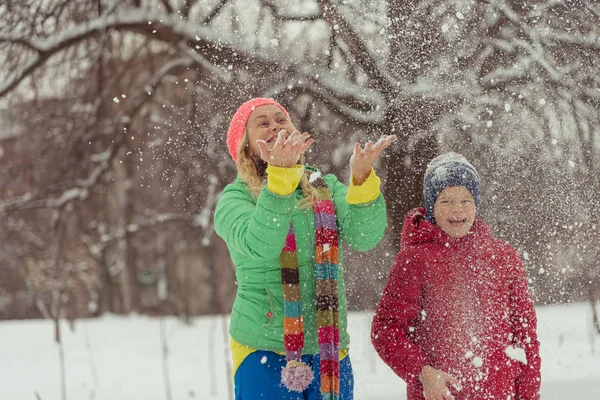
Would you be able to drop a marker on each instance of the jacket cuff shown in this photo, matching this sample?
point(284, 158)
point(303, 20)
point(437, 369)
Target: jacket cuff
point(416, 369)
point(366, 192)
point(283, 181)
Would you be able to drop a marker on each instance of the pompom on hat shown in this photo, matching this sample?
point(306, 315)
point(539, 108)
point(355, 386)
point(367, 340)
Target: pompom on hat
point(240, 119)
point(449, 169)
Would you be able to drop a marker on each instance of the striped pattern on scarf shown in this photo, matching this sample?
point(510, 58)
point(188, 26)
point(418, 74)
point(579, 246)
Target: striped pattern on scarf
point(328, 319)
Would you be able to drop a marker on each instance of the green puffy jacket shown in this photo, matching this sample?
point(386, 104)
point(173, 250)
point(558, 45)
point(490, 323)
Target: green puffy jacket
point(255, 233)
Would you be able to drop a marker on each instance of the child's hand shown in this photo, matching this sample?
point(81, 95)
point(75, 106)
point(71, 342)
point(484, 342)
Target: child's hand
point(435, 384)
point(362, 159)
point(287, 149)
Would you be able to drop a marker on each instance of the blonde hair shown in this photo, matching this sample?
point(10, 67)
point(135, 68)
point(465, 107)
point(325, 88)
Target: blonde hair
point(249, 174)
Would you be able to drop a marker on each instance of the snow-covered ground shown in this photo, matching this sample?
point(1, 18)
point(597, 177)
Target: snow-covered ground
point(116, 358)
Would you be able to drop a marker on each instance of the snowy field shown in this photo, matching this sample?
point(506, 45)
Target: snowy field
point(117, 358)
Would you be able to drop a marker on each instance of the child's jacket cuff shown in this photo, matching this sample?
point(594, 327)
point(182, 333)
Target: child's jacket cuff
point(283, 181)
point(366, 192)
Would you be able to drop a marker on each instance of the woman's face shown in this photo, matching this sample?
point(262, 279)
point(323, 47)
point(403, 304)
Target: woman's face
point(454, 211)
point(264, 123)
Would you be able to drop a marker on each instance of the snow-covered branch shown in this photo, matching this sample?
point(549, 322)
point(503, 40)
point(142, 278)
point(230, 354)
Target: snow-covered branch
point(79, 191)
point(143, 223)
point(167, 5)
point(365, 106)
point(149, 88)
point(303, 15)
point(200, 60)
point(206, 42)
point(380, 80)
point(534, 52)
point(163, 27)
point(215, 11)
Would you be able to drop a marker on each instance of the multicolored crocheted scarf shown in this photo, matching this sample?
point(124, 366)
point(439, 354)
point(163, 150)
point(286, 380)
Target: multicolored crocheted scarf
point(296, 375)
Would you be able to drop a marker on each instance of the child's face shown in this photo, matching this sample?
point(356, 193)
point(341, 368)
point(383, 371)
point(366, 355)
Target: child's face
point(454, 211)
point(264, 123)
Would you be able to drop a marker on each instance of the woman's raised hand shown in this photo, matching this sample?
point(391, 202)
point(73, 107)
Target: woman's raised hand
point(287, 148)
point(362, 159)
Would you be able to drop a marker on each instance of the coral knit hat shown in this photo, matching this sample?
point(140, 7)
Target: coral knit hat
point(239, 120)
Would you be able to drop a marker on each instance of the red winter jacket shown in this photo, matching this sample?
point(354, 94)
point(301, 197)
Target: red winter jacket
point(460, 306)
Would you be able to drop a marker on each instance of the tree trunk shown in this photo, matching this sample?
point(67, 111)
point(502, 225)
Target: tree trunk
point(110, 295)
point(411, 54)
point(405, 169)
point(130, 254)
point(117, 252)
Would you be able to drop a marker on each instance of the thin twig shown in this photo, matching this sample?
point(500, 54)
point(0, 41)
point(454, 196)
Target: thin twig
point(165, 356)
point(63, 369)
point(215, 11)
point(595, 318)
point(88, 345)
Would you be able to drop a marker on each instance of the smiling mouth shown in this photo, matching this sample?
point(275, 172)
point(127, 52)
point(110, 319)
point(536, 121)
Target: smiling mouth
point(457, 222)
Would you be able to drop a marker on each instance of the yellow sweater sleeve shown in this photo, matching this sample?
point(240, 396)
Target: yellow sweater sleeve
point(283, 181)
point(366, 192)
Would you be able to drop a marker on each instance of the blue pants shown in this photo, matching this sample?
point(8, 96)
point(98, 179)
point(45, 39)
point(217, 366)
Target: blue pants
point(259, 377)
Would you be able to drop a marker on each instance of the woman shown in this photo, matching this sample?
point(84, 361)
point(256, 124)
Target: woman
point(281, 221)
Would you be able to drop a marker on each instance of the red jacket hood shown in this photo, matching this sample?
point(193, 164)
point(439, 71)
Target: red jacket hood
point(417, 229)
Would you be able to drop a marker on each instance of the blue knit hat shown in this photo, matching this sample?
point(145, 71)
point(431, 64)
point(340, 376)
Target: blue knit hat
point(449, 169)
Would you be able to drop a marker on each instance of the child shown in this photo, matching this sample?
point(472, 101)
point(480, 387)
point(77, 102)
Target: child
point(455, 320)
point(281, 221)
